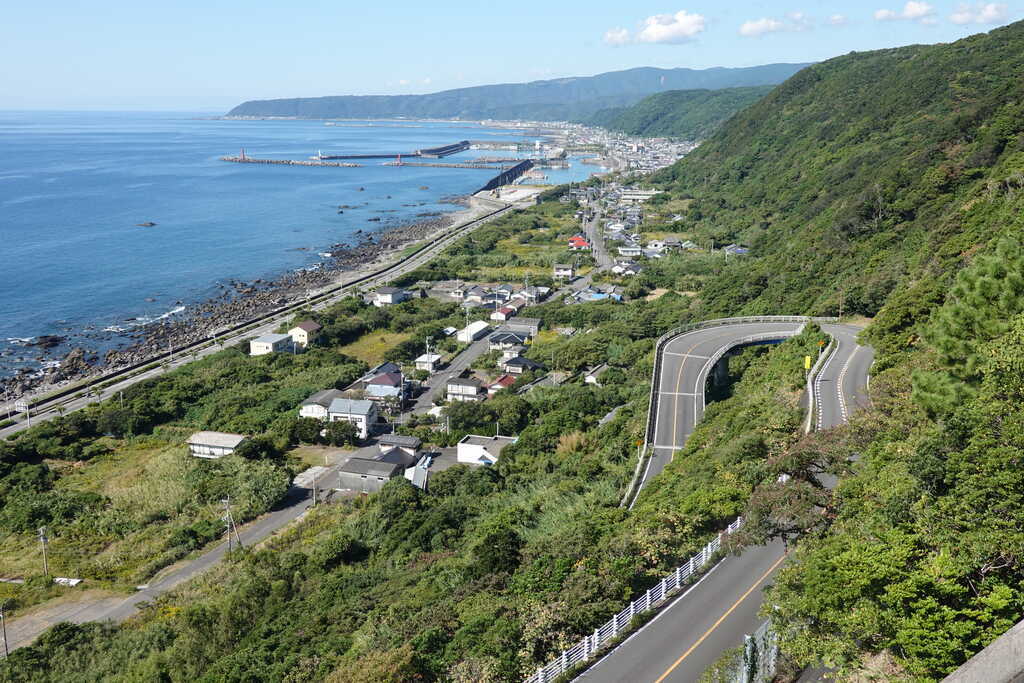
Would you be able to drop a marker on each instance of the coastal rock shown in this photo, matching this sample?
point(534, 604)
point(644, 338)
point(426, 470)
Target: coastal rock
point(47, 341)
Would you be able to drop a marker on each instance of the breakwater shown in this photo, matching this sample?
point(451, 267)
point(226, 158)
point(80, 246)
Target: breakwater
point(243, 159)
point(427, 153)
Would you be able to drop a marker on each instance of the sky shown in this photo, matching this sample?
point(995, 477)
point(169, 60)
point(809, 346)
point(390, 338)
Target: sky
point(208, 55)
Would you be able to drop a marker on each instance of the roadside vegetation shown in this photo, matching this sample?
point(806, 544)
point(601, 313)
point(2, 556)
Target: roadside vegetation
point(890, 183)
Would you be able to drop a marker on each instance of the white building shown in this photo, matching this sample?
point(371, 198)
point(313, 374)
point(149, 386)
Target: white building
point(213, 445)
point(473, 331)
point(563, 271)
point(464, 389)
point(361, 413)
point(316, 405)
point(481, 450)
point(305, 333)
point(429, 362)
point(385, 296)
point(271, 343)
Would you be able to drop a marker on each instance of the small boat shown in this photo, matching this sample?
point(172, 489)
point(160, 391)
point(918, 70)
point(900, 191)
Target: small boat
point(147, 224)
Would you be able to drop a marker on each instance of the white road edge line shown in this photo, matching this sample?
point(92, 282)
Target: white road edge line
point(661, 612)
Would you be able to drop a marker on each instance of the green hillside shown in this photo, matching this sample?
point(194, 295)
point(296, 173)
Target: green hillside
point(889, 183)
point(688, 114)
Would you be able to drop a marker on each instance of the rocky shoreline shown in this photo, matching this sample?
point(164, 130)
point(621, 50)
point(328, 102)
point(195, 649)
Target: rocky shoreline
point(237, 303)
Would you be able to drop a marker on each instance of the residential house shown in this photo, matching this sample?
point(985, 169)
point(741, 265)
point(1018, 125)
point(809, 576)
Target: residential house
point(464, 389)
point(429, 362)
point(735, 250)
point(316, 405)
point(366, 475)
point(656, 245)
point(503, 313)
point(385, 296)
point(409, 445)
point(578, 243)
point(361, 413)
point(481, 450)
point(504, 292)
point(458, 292)
point(516, 303)
point(475, 294)
point(503, 382)
point(530, 326)
point(388, 385)
point(534, 294)
point(271, 343)
point(505, 339)
point(564, 271)
point(213, 445)
point(360, 384)
point(630, 250)
point(519, 365)
point(473, 331)
point(512, 351)
point(419, 474)
point(305, 333)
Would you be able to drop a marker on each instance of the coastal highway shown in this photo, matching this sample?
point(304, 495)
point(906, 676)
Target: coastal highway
point(107, 386)
point(690, 633)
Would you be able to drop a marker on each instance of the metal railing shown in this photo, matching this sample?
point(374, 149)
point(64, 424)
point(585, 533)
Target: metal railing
point(591, 645)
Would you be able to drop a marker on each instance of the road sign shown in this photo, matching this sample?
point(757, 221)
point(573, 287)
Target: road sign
point(807, 362)
point(21, 406)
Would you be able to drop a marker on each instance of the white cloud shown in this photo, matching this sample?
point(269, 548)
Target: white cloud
point(616, 36)
point(671, 28)
point(426, 81)
point(981, 13)
point(794, 21)
point(837, 20)
point(912, 11)
point(759, 27)
point(403, 81)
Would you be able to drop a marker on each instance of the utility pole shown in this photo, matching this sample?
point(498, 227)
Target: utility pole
point(842, 300)
point(3, 626)
point(44, 540)
point(229, 521)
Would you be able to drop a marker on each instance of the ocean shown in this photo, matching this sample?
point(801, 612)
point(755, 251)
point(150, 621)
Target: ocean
point(74, 187)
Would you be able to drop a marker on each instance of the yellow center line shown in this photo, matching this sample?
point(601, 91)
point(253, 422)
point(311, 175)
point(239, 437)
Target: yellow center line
point(720, 620)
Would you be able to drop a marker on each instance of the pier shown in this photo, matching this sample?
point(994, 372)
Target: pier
point(427, 164)
point(243, 159)
point(428, 153)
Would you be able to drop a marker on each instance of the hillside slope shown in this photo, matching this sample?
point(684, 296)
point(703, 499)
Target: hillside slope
point(688, 114)
point(551, 100)
point(858, 169)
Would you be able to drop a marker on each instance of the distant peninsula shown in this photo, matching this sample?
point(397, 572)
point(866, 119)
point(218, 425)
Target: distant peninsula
point(562, 99)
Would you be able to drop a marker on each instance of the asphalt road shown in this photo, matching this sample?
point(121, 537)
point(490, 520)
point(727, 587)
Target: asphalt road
point(691, 633)
point(86, 395)
point(436, 383)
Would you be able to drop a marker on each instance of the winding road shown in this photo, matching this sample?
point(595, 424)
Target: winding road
point(690, 633)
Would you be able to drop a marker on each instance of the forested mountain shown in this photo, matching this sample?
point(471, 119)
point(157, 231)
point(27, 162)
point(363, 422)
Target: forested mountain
point(560, 99)
point(688, 114)
point(888, 183)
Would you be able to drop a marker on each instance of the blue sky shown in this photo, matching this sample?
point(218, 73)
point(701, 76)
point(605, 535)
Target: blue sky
point(210, 54)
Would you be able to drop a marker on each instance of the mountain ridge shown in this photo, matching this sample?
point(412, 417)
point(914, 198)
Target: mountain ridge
point(556, 99)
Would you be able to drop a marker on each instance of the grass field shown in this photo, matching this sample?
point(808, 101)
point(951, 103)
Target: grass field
point(371, 347)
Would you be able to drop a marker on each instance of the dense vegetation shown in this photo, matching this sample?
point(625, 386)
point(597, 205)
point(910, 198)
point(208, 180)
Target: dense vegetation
point(561, 99)
point(687, 114)
point(892, 181)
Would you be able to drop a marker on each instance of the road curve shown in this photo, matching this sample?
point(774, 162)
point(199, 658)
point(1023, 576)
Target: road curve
point(690, 634)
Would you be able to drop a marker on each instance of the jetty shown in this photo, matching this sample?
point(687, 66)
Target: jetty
point(428, 153)
point(243, 158)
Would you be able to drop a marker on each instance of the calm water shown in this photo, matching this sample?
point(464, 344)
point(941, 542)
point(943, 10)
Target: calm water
point(74, 186)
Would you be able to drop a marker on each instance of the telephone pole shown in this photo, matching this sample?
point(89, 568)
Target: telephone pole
point(3, 626)
point(44, 540)
point(229, 521)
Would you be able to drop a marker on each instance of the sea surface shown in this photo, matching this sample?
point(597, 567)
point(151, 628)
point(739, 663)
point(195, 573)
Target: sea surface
point(75, 185)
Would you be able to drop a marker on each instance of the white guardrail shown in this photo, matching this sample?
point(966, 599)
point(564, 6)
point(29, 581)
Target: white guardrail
point(590, 645)
point(593, 644)
point(656, 370)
